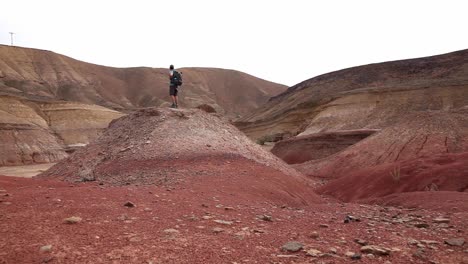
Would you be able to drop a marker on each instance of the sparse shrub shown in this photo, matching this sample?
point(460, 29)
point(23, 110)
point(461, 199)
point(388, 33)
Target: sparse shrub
point(396, 174)
point(431, 187)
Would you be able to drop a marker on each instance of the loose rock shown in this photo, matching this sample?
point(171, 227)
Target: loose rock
point(441, 220)
point(46, 248)
point(458, 242)
point(223, 222)
point(314, 235)
point(292, 246)
point(129, 204)
point(217, 230)
point(72, 220)
point(314, 253)
point(376, 250)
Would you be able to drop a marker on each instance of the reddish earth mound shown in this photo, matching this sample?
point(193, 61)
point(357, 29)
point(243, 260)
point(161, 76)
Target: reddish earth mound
point(170, 146)
point(446, 172)
point(419, 135)
point(311, 147)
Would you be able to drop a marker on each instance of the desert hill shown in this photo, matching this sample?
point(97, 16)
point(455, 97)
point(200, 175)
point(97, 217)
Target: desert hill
point(35, 73)
point(373, 96)
point(167, 146)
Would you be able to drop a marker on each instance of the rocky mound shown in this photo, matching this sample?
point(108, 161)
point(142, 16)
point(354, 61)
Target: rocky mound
point(373, 96)
point(171, 146)
point(445, 172)
point(37, 73)
point(418, 135)
point(317, 146)
point(34, 131)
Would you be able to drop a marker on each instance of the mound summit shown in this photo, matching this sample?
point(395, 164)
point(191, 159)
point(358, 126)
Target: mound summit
point(169, 146)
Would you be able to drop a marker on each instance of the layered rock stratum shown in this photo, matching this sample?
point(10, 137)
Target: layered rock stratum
point(35, 131)
point(373, 96)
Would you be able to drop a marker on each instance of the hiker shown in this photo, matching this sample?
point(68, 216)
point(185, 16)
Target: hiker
point(175, 81)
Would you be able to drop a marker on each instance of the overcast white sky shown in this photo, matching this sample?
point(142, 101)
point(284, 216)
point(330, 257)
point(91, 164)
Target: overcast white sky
point(282, 41)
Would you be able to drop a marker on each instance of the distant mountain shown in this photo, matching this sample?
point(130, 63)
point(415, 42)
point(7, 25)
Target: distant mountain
point(33, 73)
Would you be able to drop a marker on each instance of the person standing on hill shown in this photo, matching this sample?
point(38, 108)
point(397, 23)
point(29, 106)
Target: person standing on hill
point(175, 80)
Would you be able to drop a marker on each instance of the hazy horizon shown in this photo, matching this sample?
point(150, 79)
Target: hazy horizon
point(277, 41)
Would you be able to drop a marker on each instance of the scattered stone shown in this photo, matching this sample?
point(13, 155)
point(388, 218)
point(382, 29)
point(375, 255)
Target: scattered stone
point(223, 222)
point(135, 239)
point(441, 220)
point(72, 220)
point(147, 209)
point(323, 226)
point(171, 231)
point(421, 225)
point(207, 217)
point(315, 235)
point(229, 208)
point(412, 242)
point(47, 248)
point(350, 218)
point(292, 246)
point(353, 256)
point(458, 242)
point(361, 242)
point(129, 204)
point(217, 230)
point(267, 218)
point(314, 253)
point(429, 242)
point(376, 250)
point(333, 250)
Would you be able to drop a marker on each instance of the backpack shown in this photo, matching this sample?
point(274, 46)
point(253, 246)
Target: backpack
point(177, 78)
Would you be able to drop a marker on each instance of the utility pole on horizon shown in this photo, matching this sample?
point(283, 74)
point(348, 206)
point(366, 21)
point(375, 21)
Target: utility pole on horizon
point(11, 35)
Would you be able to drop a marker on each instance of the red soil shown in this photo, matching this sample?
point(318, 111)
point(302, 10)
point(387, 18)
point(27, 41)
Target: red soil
point(33, 213)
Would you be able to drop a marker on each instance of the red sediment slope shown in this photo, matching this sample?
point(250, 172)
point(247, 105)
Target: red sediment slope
point(445, 172)
point(423, 134)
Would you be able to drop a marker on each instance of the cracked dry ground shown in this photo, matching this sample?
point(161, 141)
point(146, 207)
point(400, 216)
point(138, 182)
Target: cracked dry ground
point(176, 224)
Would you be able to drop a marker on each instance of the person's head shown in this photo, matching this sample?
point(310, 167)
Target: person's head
point(171, 67)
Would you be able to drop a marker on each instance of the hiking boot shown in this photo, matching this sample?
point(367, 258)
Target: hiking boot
point(173, 106)
point(176, 106)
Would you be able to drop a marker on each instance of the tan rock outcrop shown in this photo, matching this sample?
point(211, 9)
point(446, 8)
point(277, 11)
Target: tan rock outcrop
point(34, 131)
